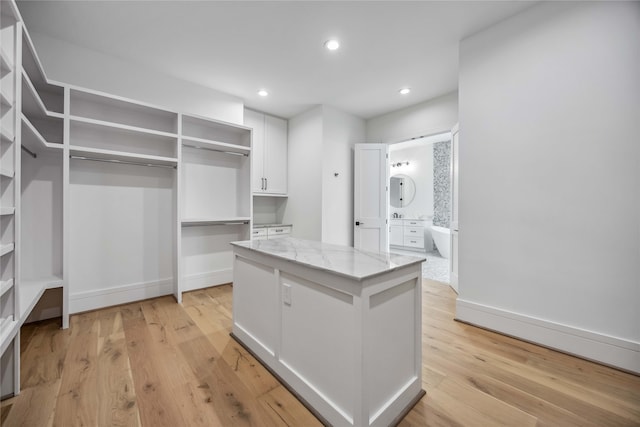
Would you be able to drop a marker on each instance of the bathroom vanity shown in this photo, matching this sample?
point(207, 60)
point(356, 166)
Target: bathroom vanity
point(341, 328)
point(410, 234)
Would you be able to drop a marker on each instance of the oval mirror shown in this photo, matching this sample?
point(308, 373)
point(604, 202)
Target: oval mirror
point(402, 190)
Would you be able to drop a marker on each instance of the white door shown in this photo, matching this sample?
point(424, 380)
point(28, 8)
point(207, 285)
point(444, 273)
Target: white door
point(255, 120)
point(275, 156)
point(453, 258)
point(371, 197)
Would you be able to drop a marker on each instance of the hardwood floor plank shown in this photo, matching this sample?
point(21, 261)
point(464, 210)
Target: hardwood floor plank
point(154, 397)
point(35, 407)
point(233, 403)
point(77, 403)
point(158, 363)
point(502, 412)
point(290, 412)
point(43, 358)
point(115, 384)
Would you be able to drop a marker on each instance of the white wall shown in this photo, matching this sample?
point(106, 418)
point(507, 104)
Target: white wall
point(75, 65)
point(340, 132)
point(304, 207)
point(550, 179)
point(320, 205)
point(427, 118)
point(120, 238)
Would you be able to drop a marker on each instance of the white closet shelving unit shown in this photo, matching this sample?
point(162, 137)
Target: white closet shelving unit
point(215, 200)
point(10, 65)
point(111, 199)
point(41, 192)
point(122, 223)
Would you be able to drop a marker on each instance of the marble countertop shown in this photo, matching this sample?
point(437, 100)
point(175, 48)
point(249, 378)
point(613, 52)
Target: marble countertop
point(341, 260)
point(271, 225)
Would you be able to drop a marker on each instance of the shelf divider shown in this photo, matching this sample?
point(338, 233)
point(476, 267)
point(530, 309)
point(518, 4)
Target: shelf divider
point(114, 125)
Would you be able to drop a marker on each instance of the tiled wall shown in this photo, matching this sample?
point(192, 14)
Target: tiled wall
point(441, 184)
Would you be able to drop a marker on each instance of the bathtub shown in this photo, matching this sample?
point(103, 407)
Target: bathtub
point(441, 237)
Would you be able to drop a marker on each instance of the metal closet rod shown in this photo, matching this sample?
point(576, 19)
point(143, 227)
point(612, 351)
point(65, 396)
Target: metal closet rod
point(124, 162)
point(214, 149)
point(206, 224)
point(31, 153)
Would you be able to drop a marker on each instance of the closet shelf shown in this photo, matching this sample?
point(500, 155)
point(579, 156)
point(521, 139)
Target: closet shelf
point(30, 59)
point(32, 289)
point(6, 65)
point(207, 144)
point(6, 134)
point(8, 329)
point(32, 104)
point(6, 210)
point(5, 249)
point(33, 140)
point(5, 100)
point(216, 221)
point(123, 127)
point(6, 173)
point(109, 155)
point(5, 285)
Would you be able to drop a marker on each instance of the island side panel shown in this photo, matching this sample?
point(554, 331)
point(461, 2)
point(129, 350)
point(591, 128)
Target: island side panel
point(393, 348)
point(255, 305)
point(318, 340)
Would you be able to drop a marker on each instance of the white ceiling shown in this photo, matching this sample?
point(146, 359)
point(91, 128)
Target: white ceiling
point(239, 47)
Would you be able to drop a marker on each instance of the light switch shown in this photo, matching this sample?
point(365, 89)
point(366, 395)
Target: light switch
point(286, 293)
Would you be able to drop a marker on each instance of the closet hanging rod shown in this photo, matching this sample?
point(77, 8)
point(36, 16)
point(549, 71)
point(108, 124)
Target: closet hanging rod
point(215, 149)
point(124, 162)
point(31, 153)
point(206, 223)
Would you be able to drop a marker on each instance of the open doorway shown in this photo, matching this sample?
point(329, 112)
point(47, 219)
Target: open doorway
point(420, 201)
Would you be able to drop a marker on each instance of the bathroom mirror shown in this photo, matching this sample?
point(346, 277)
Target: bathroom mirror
point(402, 191)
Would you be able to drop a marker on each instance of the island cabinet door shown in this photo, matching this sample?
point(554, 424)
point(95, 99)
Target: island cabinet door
point(255, 303)
point(318, 347)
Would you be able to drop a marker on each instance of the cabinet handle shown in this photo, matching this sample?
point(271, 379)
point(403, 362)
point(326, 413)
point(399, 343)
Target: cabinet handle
point(262, 186)
point(266, 183)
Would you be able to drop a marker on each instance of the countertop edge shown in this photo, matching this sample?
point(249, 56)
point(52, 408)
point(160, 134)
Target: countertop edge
point(419, 260)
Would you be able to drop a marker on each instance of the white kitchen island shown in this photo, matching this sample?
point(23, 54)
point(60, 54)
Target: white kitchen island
point(340, 327)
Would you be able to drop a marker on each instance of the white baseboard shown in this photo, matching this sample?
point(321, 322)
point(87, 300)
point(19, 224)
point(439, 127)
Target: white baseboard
point(606, 349)
point(106, 297)
point(208, 279)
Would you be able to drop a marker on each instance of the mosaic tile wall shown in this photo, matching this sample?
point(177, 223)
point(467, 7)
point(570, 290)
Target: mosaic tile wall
point(441, 183)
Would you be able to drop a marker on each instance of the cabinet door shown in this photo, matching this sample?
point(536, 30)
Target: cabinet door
point(395, 235)
point(255, 120)
point(275, 135)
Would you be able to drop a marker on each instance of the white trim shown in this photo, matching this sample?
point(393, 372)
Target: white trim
point(208, 279)
point(602, 348)
point(106, 297)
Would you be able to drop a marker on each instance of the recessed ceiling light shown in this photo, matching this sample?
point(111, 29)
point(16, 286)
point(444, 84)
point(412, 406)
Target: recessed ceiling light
point(332, 44)
point(404, 91)
point(263, 92)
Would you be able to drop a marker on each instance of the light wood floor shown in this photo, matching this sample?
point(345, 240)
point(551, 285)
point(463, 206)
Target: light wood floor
point(156, 363)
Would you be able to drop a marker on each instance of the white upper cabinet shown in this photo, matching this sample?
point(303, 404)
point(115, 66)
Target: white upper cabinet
point(269, 152)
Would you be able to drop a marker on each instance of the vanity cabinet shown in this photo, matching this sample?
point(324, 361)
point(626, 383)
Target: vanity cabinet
point(396, 233)
point(269, 152)
point(407, 233)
